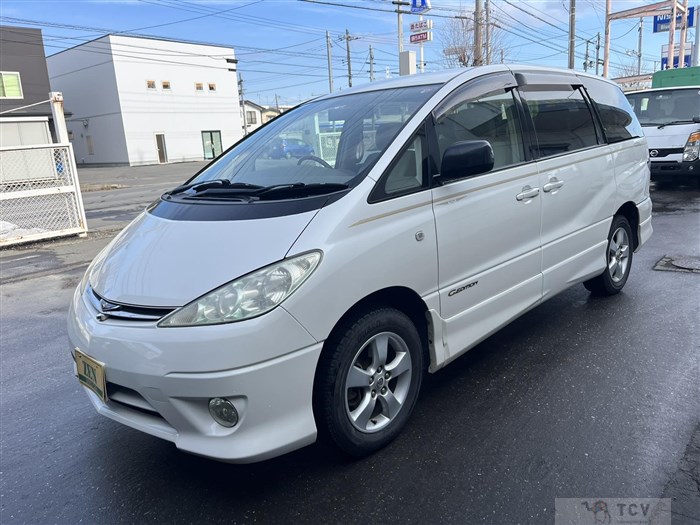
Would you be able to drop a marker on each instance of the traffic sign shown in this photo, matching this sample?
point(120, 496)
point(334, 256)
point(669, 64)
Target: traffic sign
point(420, 6)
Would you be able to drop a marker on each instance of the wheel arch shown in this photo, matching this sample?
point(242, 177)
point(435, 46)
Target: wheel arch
point(401, 298)
point(631, 213)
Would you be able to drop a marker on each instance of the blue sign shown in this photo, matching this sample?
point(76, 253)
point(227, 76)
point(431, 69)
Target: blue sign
point(420, 6)
point(663, 22)
point(664, 62)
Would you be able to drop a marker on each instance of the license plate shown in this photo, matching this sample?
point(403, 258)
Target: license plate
point(91, 373)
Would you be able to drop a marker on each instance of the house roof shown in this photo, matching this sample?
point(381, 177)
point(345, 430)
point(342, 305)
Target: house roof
point(252, 104)
point(144, 37)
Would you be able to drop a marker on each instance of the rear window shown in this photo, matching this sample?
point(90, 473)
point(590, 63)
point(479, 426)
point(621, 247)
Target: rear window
point(619, 121)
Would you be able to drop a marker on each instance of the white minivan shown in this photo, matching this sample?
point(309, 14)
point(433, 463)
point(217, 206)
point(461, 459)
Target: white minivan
point(268, 298)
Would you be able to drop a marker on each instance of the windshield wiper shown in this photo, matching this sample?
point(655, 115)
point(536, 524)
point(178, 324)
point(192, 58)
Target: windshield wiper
point(225, 184)
point(300, 188)
point(251, 192)
point(693, 120)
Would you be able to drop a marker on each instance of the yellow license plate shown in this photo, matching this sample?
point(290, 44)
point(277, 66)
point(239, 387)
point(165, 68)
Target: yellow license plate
point(91, 373)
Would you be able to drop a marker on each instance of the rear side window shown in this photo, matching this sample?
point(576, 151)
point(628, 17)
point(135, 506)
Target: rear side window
point(619, 121)
point(562, 118)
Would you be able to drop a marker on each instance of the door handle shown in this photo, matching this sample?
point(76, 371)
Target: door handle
point(552, 185)
point(527, 193)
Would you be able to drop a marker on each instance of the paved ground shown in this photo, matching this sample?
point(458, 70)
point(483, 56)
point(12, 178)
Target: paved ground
point(581, 397)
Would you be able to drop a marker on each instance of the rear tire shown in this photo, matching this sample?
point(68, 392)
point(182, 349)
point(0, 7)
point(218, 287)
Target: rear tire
point(368, 380)
point(618, 258)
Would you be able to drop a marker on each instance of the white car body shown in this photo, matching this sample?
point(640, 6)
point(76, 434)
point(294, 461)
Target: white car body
point(473, 255)
point(667, 143)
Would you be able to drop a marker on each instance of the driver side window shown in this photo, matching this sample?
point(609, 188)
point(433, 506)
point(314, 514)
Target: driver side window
point(493, 117)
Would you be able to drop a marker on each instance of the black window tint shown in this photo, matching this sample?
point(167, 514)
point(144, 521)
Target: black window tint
point(563, 121)
point(492, 117)
point(619, 121)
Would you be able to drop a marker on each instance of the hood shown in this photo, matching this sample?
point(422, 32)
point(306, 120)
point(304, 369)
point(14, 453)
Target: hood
point(674, 136)
point(165, 263)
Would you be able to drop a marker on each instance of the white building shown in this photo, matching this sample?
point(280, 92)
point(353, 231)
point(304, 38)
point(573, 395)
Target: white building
point(142, 101)
point(253, 115)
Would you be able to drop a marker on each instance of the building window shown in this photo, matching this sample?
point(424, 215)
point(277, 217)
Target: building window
point(212, 87)
point(199, 86)
point(10, 85)
point(251, 117)
point(150, 84)
point(166, 85)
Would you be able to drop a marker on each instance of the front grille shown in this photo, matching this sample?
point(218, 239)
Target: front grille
point(110, 309)
point(664, 152)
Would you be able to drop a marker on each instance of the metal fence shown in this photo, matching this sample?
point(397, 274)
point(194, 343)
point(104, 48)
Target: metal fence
point(39, 194)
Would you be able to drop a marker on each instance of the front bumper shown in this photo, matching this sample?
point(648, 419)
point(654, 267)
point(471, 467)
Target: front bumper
point(670, 170)
point(160, 380)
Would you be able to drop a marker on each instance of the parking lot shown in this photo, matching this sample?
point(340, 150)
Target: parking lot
point(581, 397)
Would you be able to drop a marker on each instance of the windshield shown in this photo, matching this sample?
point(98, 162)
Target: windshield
point(326, 144)
point(656, 108)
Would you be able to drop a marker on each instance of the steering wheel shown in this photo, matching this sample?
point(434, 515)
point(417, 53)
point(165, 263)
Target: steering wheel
point(315, 159)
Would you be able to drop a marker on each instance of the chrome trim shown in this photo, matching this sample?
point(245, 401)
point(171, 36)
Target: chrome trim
point(109, 309)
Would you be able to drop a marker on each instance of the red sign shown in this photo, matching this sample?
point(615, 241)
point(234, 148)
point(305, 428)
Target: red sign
point(426, 36)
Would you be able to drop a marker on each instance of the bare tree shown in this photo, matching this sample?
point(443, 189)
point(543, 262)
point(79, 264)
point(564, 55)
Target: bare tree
point(624, 74)
point(457, 38)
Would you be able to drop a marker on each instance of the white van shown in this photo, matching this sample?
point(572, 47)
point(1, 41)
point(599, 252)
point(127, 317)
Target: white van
point(670, 118)
point(269, 299)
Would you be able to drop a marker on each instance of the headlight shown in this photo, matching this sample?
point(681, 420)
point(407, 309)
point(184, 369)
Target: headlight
point(692, 147)
point(248, 296)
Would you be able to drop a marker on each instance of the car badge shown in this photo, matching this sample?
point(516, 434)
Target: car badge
point(653, 153)
point(108, 307)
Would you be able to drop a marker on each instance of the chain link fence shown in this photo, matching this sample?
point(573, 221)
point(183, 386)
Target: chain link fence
point(39, 194)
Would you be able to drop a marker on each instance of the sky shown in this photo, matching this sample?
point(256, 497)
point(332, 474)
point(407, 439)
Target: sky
point(281, 44)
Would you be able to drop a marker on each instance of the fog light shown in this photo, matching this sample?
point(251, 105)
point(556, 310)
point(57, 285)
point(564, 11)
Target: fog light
point(223, 412)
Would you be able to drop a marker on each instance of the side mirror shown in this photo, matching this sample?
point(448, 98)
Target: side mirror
point(466, 159)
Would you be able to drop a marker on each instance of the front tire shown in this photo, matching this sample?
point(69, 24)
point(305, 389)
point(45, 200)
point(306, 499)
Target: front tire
point(618, 257)
point(368, 380)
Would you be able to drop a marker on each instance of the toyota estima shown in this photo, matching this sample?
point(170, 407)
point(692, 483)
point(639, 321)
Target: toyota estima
point(268, 299)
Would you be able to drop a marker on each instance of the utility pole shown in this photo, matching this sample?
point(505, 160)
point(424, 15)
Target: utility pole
point(242, 104)
point(696, 54)
point(501, 56)
point(597, 52)
point(487, 25)
point(371, 64)
point(478, 60)
point(422, 63)
point(398, 4)
point(639, 46)
point(330, 62)
point(277, 102)
point(606, 51)
point(347, 47)
point(585, 60)
point(572, 32)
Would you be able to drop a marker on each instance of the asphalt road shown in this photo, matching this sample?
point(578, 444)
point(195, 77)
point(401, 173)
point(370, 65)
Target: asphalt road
point(581, 397)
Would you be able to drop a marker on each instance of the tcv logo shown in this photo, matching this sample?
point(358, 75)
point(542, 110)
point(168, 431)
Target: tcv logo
point(462, 288)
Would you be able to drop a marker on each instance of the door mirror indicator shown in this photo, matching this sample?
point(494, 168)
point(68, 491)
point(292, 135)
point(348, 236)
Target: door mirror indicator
point(466, 159)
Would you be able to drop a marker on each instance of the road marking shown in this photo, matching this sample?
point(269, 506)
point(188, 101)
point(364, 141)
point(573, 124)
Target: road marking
point(24, 258)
